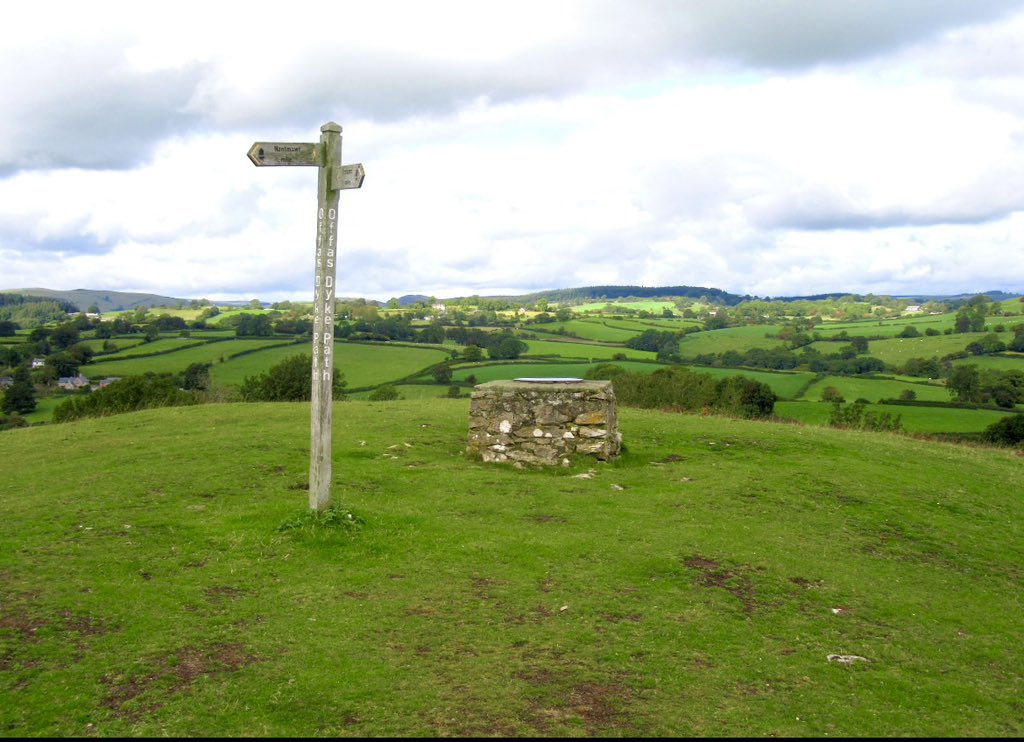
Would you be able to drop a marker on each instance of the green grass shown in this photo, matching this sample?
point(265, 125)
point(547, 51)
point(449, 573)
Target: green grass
point(1011, 362)
point(178, 360)
point(889, 327)
point(362, 364)
point(919, 420)
point(525, 369)
point(897, 351)
point(655, 307)
point(857, 387)
point(582, 350)
point(694, 587)
point(730, 338)
point(588, 330)
point(786, 385)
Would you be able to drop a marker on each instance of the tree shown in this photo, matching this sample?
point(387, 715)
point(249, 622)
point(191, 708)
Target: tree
point(831, 394)
point(288, 381)
point(385, 393)
point(196, 376)
point(964, 384)
point(20, 396)
point(509, 347)
point(1006, 432)
point(442, 373)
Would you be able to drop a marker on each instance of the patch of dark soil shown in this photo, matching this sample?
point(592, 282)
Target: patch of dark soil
point(541, 518)
point(179, 670)
point(671, 459)
point(713, 575)
point(22, 623)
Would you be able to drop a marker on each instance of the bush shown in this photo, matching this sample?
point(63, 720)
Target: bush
point(125, 395)
point(683, 390)
point(831, 394)
point(289, 381)
point(604, 371)
point(384, 393)
point(1006, 432)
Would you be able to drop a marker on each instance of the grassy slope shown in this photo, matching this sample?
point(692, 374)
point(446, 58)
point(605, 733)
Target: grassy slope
point(689, 588)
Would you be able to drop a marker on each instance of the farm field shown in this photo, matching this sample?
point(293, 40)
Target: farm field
point(498, 371)
point(362, 364)
point(889, 327)
point(195, 351)
point(583, 350)
point(588, 330)
point(897, 351)
point(730, 338)
point(1005, 362)
point(872, 389)
point(785, 384)
point(922, 420)
point(639, 306)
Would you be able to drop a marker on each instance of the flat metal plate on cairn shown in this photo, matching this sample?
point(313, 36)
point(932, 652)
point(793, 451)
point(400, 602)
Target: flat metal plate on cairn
point(543, 421)
point(549, 380)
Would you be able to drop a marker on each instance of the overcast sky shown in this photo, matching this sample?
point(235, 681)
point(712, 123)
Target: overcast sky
point(769, 147)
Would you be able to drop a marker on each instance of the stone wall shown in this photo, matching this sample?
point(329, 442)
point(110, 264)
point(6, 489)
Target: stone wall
point(543, 422)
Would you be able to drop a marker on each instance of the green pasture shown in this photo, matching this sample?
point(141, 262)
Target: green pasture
point(888, 327)
point(1009, 362)
point(361, 364)
point(164, 344)
point(525, 369)
point(639, 306)
point(582, 350)
point(858, 387)
point(123, 342)
point(785, 384)
point(162, 577)
point(588, 330)
point(179, 360)
point(897, 351)
point(730, 338)
point(919, 420)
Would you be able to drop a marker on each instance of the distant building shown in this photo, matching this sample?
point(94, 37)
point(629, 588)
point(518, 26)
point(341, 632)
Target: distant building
point(5, 381)
point(913, 309)
point(72, 383)
point(38, 362)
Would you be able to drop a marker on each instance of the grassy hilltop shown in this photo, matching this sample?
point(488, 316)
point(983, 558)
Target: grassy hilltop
point(158, 577)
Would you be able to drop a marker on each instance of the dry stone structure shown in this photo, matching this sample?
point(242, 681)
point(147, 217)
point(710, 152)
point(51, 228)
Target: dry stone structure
point(543, 421)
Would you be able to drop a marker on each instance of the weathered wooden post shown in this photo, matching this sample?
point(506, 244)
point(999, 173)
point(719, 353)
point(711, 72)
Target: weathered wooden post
point(333, 178)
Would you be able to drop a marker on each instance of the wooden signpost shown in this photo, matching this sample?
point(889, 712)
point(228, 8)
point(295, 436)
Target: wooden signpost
point(333, 178)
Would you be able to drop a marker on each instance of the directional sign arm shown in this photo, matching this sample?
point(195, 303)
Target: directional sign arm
point(347, 176)
point(284, 153)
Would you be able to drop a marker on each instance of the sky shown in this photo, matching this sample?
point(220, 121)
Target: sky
point(762, 147)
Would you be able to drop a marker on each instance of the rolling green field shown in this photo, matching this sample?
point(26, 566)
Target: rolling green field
point(362, 364)
point(730, 338)
point(583, 350)
point(889, 327)
point(494, 372)
point(590, 330)
point(217, 352)
point(721, 578)
point(897, 351)
point(856, 387)
point(655, 307)
point(922, 420)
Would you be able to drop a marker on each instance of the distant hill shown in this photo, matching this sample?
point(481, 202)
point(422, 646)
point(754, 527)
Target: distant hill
point(105, 301)
point(633, 292)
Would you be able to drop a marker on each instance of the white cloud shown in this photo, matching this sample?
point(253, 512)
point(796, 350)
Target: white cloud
point(792, 147)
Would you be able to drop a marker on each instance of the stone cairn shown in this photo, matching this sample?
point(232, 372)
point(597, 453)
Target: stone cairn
point(543, 421)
